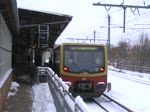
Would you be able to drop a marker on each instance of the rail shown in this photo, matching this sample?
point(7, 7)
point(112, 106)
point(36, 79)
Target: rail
point(107, 108)
point(60, 89)
point(121, 105)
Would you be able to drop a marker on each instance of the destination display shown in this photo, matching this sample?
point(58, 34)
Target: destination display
point(81, 48)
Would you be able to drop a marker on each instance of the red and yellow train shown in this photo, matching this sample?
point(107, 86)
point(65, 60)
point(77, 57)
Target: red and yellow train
point(84, 66)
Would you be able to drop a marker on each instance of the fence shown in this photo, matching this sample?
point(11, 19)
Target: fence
point(60, 89)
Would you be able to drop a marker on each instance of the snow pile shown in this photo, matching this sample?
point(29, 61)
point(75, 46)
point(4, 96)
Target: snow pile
point(81, 104)
point(61, 82)
point(13, 89)
point(114, 69)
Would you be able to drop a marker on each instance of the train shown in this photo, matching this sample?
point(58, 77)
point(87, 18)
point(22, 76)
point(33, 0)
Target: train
point(83, 67)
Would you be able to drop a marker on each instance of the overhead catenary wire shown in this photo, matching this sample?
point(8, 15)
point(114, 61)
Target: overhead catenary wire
point(136, 20)
point(131, 20)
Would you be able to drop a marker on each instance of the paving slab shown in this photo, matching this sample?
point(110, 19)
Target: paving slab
point(22, 100)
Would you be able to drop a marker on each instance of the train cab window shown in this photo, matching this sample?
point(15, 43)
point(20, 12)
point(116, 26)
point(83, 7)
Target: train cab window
point(97, 61)
point(84, 58)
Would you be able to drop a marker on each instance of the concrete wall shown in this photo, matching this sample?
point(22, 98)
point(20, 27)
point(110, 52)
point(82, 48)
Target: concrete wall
point(4, 90)
point(5, 61)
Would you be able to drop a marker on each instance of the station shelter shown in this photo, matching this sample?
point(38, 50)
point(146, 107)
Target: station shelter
point(25, 34)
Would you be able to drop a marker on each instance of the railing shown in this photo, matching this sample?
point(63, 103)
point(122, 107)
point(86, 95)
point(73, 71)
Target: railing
point(60, 89)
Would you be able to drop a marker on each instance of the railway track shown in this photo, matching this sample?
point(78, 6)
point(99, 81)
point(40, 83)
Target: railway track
point(101, 106)
point(139, 80)
point(108, 104)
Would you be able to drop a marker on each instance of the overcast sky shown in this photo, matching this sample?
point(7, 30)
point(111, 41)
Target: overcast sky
point(87, 18)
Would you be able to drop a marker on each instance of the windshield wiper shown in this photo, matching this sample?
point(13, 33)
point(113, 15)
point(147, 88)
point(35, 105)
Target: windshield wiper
point(76, 66)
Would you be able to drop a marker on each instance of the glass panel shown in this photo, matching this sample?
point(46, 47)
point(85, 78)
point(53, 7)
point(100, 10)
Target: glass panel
point(84, 58)
point(5, 48)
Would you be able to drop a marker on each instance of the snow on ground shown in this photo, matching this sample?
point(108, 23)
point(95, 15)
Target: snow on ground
point(133, 94)
point(43, 100)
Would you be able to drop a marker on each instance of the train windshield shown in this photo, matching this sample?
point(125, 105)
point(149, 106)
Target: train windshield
point(78, 59)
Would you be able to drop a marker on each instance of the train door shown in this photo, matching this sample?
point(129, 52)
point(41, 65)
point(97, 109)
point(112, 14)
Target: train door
point(56, 61)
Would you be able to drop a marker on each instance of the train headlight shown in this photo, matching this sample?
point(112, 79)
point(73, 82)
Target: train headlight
point(101, 69)
point(65, 69)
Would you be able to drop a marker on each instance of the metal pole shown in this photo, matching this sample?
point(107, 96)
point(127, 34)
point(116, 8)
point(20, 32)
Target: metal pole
point(124, 7)
point(108, 43)
point(124, 19)
point(94, 36)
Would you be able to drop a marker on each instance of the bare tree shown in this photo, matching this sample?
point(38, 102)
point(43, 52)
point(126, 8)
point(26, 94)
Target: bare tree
point(143, 50)
point(137, 55)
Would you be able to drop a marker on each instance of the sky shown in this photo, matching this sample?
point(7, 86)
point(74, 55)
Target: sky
point(87, 18)
point(130, 93)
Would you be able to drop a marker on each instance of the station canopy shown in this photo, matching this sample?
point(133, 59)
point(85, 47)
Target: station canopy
point(29, 20)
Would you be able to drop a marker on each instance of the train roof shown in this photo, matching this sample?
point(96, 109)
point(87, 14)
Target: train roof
point(74, 44)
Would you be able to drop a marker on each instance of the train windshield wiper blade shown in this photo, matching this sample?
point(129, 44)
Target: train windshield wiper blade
point(76, 66)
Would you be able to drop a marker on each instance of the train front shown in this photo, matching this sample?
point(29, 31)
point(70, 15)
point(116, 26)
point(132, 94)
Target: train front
point(84, 66)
